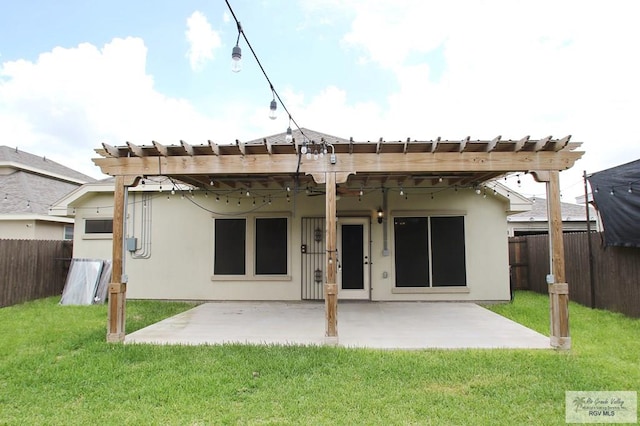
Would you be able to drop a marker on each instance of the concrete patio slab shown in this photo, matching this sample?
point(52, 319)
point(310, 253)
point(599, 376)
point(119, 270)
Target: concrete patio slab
point(382, 325)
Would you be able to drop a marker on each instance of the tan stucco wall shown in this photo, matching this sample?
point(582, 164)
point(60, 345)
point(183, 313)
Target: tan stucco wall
point(17, 229)
point(181, 262)
point(31, 229)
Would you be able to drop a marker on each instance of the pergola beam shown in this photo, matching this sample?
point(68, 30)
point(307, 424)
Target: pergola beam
point(443, 162)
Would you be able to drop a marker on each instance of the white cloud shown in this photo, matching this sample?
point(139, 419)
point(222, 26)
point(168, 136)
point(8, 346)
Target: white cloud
point(68, 101)
point(509, 68)
point(203, 40)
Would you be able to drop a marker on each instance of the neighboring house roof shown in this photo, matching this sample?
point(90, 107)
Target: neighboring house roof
point(538, 213)
point(30, 184)
point(20, 160)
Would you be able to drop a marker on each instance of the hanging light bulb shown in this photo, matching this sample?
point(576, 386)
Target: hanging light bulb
point(289, 136)
point(308, 155)
point(236, 59)
point(303, 149)
point(315, 154)
point(236, 54)
point(401, 191)
point(273, 113)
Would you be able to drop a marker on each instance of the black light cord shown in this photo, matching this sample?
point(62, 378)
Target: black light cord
point(275, 92)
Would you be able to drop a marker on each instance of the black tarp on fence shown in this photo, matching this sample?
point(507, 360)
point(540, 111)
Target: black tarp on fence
point(616, 193)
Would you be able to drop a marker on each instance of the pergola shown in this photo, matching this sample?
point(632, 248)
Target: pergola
point(273, 160)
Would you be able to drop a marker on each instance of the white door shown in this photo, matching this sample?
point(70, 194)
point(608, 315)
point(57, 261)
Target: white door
point(353, 258)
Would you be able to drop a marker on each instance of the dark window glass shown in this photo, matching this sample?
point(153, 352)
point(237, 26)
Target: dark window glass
point(447, 251)
point(411, 251)
point(229, 250)
point(98, 226)
point(271, 246)
point(352, 257)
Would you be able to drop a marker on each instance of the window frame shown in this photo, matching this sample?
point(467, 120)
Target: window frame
point(431, 288)
point(65, 234)
point(96, 235)
point(250, 248)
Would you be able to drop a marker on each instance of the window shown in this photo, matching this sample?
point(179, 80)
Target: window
point(68, 232)
point(98, 226)
point(429, 251)
point(230, 245)
point(271, 246)
point(251, 247)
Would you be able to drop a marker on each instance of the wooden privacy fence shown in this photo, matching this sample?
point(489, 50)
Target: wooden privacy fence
point(614, 284)
point(32, 269)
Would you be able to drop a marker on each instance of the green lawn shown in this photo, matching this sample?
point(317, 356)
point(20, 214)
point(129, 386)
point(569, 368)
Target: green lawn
point(55, 368)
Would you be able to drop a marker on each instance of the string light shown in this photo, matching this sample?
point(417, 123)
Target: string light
point(236, 52)
point(236, 56)
point(273, 106)
point(289, 136)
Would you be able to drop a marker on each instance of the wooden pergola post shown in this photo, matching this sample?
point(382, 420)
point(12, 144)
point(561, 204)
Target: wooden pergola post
point(117, 288)
point(558, 288)
point(330, 286)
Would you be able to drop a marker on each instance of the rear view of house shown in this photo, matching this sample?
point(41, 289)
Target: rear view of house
point(316, 217)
